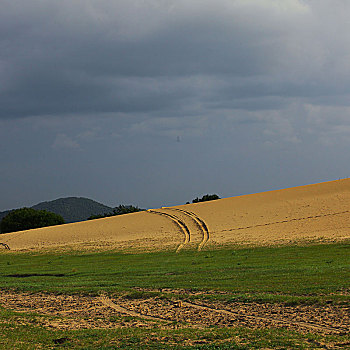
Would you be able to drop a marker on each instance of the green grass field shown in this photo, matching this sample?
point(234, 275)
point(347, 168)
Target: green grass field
point(315, 274)
point(310, 271)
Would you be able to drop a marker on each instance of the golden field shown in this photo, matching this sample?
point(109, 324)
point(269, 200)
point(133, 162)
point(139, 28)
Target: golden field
point(305, 213)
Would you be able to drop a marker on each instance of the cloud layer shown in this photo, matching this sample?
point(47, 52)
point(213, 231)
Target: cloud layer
point(88, 74)
point(60, 57)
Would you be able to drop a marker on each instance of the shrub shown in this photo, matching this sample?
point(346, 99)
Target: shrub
point(205, 198)
point(28, 218)
point(125, 209)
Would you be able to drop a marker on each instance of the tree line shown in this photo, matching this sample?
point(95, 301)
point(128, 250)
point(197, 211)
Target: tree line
point(120, 210)
point(27, 219)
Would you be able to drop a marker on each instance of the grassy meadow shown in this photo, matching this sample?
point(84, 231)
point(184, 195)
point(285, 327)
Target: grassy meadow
point(315, 271)
point(313, 274)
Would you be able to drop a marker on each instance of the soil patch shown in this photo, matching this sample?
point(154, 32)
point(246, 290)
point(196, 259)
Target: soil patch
point(79, 312)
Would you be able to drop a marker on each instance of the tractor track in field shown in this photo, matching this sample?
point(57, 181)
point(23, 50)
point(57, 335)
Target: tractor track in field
point(230, 314)
point(101, 312)
point(306, 325)
point(286, 221)
point(109, 303)
point(206, 311)
point(5, 246)
point(202, 226)
point(179, 223)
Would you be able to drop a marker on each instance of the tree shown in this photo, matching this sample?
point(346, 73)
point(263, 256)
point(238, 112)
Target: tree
point(28, 218)
point(125, 209)
point(205, 198)
point(120, 210)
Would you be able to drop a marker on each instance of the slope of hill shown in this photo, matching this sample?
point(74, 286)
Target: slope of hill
point(3, 214)
point(72, 209)
point(306, 213)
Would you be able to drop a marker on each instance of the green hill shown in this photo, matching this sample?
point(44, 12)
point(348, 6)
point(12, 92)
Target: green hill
point(72, 209)
point(3, 214)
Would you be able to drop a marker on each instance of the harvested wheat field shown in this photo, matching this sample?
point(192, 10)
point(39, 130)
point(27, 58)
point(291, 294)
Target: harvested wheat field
point(306, 213)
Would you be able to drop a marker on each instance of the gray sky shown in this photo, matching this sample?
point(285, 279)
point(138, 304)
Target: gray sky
point(155, 102)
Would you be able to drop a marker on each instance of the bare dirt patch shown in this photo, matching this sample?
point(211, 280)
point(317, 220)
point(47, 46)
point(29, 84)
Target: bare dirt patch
point(67, 311)
point(87, 312)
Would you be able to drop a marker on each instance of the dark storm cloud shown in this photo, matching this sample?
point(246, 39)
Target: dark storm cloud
point(61, 57)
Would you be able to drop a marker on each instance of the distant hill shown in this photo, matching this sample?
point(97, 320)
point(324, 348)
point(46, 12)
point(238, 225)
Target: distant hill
point(3, 214)
point(72, 209)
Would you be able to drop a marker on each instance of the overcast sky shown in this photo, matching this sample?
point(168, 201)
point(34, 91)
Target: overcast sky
point(155, 102)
